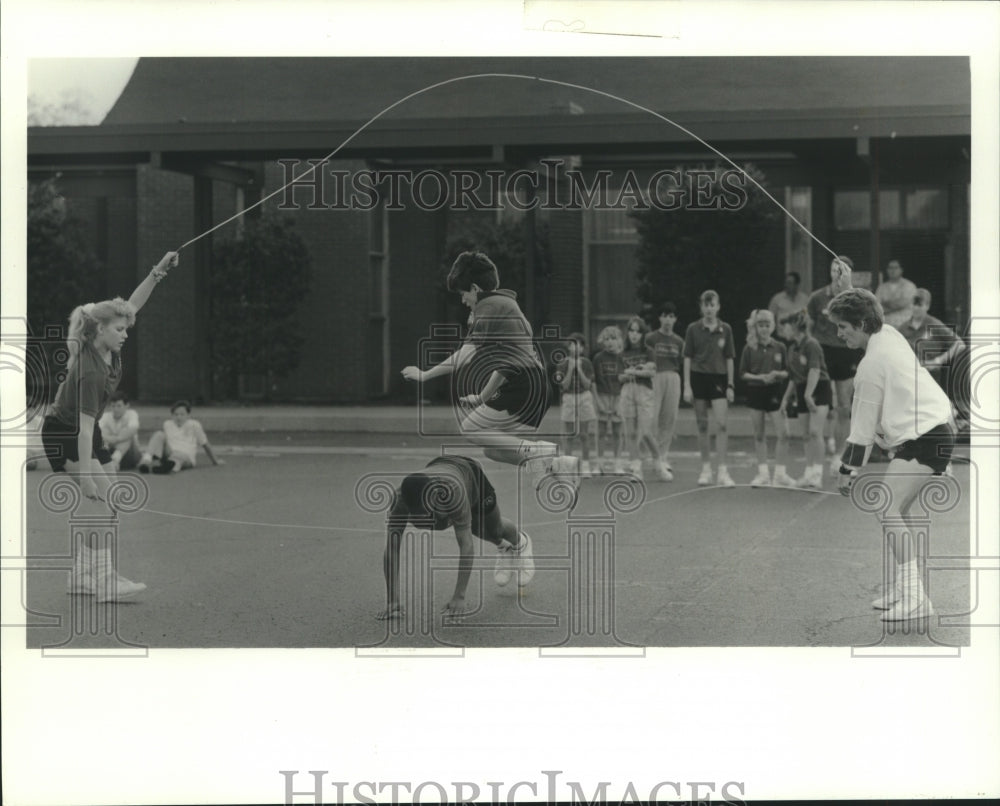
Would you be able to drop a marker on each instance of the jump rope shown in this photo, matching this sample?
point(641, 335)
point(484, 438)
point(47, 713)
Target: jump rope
point(309, 172)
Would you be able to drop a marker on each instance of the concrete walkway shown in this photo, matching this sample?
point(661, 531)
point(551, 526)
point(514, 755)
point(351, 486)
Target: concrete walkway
point(376, 419)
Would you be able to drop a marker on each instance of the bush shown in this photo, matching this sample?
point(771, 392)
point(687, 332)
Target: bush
point(62, 272)
point(258, 282)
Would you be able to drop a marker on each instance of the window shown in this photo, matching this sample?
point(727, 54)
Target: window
point(915, 208)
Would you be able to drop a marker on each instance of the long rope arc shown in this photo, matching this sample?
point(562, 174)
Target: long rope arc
point(473, 76)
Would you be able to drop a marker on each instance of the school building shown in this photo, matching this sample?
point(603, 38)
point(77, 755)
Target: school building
point(870, 153)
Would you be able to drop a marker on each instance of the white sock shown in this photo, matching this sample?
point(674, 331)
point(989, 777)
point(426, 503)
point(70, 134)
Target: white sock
point(779, 470)
point(706, 467)
point(762, 467)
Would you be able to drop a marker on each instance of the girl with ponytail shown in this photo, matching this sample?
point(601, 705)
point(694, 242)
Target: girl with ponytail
point(70, 433)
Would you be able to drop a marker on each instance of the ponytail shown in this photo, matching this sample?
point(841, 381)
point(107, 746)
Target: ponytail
point(84, 320)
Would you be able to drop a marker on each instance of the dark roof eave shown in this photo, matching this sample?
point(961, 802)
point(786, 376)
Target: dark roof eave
point(560, 134)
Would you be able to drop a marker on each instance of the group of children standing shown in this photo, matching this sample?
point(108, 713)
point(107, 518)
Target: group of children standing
point(626, 399)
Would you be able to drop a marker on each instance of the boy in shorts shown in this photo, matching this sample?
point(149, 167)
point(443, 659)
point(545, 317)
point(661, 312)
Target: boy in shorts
point(498, 350)
point(575, 376)
point(454, 491)
point(175, 447)
point(709, 365)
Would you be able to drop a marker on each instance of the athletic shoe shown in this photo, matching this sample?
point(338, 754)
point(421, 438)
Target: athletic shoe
point(910, 607)
point(538, 456)
point(783, 480)
point(762, 479)
point(115, 588)
point(524, 562)
point(889, 598)
point(635, 468)
point(663, 472)
point(144, 466)
point(809, 480)
point(724, 479)
point(164, 467)
point(80, 583)
point(705, 478)
point(503, 570)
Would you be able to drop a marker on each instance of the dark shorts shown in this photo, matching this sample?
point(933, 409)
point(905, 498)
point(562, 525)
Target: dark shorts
point(708, 386)
point(482, 496)
point(932, 449)
point(60, 443)
point(841, 362)
point(822, 395)
point(525, 396)
point(765, 397)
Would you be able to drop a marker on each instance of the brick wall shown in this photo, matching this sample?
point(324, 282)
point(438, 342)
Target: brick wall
point(167, 346)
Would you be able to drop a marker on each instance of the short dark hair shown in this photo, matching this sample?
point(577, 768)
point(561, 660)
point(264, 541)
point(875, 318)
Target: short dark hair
point(708, 296)
point(119, 395)
point(847, 260)
point(426, 495)
point(859, 307)
point(799, 320)
point(795, 276)
point(667, 308)
point(923, 296)
point(473, 267)
point(578, 338)
point(180, 403)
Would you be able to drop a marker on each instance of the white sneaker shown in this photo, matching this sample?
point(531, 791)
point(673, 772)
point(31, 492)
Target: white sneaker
point(635, 469)
point(725, 479)
point(892, 595)
point(809, 480)
point(503, 569)
point(783, 480)
point(910, 607)
point(115, 588)
point(524, 562)
point(538, 456)
point(705, 478)
point(762, 479)
point(663, 472)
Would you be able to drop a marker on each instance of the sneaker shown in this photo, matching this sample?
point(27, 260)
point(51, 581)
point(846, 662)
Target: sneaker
point(809, 480)
point(144, 466)
point(164, 467)
point(783, 480)
point(910, 607)
point(524, 561)
point(538, 456)
point(705, 478)
point(663, 472)
point(762, 479)
point(503, 569)
point(635, 469)
point(725, 480)
point(115, 588)
point(889, 598)
point(80, 583)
